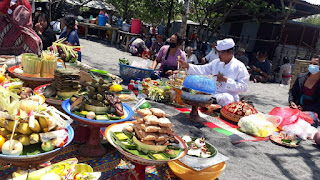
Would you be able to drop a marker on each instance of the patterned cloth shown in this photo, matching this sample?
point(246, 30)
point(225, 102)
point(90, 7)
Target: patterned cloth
point(225, 128)
point(16, 34)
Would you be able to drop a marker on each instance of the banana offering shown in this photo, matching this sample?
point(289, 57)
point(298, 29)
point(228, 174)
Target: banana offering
point(46, 127)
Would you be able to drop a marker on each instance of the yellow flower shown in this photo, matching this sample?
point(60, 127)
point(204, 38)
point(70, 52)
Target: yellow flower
point(116, 88)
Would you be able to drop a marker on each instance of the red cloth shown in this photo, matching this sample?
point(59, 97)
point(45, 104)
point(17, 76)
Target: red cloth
point(17, 35)
point(4, 6)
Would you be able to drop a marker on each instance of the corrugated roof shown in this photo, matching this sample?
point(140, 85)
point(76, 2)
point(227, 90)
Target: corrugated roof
point(314, 2)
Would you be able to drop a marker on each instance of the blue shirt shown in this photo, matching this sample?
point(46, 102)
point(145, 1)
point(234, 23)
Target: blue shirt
point(264, 66)
point(72, 38)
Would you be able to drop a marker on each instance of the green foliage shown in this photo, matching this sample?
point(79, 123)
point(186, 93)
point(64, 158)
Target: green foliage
point(84, 9)
point(311, 20)
point(149, 11)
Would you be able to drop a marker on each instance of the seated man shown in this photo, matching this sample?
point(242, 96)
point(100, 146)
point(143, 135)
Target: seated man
point(242, 56)
point(211, 56)
point(230, 74)
point(137, 47)
point(261, 70)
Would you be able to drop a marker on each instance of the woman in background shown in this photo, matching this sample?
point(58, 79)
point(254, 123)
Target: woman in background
point(168, 56)
point(304, 94)
point(44, 31)
point(70, 33)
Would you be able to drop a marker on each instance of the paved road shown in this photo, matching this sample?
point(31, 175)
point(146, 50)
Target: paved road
point(102, 55)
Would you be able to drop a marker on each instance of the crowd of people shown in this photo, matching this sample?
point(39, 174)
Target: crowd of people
point(259, 67)
point(232, 70)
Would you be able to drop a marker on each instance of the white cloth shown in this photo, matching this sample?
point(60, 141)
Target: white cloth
point(212, 56)
point(224, 98)
point(139, 43)
point(235, 71)
point(225, 44)
point(192, 59)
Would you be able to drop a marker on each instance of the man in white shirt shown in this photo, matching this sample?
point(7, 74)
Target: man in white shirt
point(213, 54)
point(231, 75)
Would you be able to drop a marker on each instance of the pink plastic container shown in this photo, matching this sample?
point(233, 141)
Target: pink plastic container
point(135, 26)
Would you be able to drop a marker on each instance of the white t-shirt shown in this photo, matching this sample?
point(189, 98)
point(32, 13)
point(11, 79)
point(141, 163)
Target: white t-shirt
point(212, 56)
point(192, 59)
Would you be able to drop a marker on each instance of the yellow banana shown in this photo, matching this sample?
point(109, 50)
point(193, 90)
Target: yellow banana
point(24, 139)
point(4, 132)
point(9, 125)
point(36, 127)
point(43, 122)
point(24, 128)
point(34, 138)
point(2, 120)
point(9, 136)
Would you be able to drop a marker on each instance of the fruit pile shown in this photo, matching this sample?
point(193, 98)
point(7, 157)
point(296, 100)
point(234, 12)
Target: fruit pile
point(26, 123)
point(101, 103)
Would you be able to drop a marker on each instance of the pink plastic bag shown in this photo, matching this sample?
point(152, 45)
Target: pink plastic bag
point(289, 116)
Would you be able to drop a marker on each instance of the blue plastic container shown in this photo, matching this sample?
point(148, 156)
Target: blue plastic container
point(130, 72)
point(200, 83)
point(102, 20)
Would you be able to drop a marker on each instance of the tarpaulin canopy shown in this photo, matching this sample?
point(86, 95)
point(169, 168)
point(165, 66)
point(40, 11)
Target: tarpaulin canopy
point(93, 4)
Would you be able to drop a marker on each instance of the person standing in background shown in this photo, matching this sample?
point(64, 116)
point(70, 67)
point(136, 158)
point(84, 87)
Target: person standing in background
point(285, 71)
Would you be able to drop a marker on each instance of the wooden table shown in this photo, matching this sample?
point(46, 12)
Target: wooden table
point(95, 26)
point(125, 38)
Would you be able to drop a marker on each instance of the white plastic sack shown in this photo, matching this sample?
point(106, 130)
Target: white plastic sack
point(301, 128)
point(260, 125)
point(141, 63)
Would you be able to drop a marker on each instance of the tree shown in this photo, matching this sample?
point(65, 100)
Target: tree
point(185, 14)
point(311, 20)
point(214, 13)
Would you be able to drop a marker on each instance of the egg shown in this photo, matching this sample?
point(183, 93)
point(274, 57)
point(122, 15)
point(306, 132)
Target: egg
point(200, 142)
point(316, 138)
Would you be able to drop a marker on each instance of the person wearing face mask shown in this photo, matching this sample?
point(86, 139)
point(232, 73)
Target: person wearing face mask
point(168, 56)
point(305, 92)
point(157, 44)
point(230, 74)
